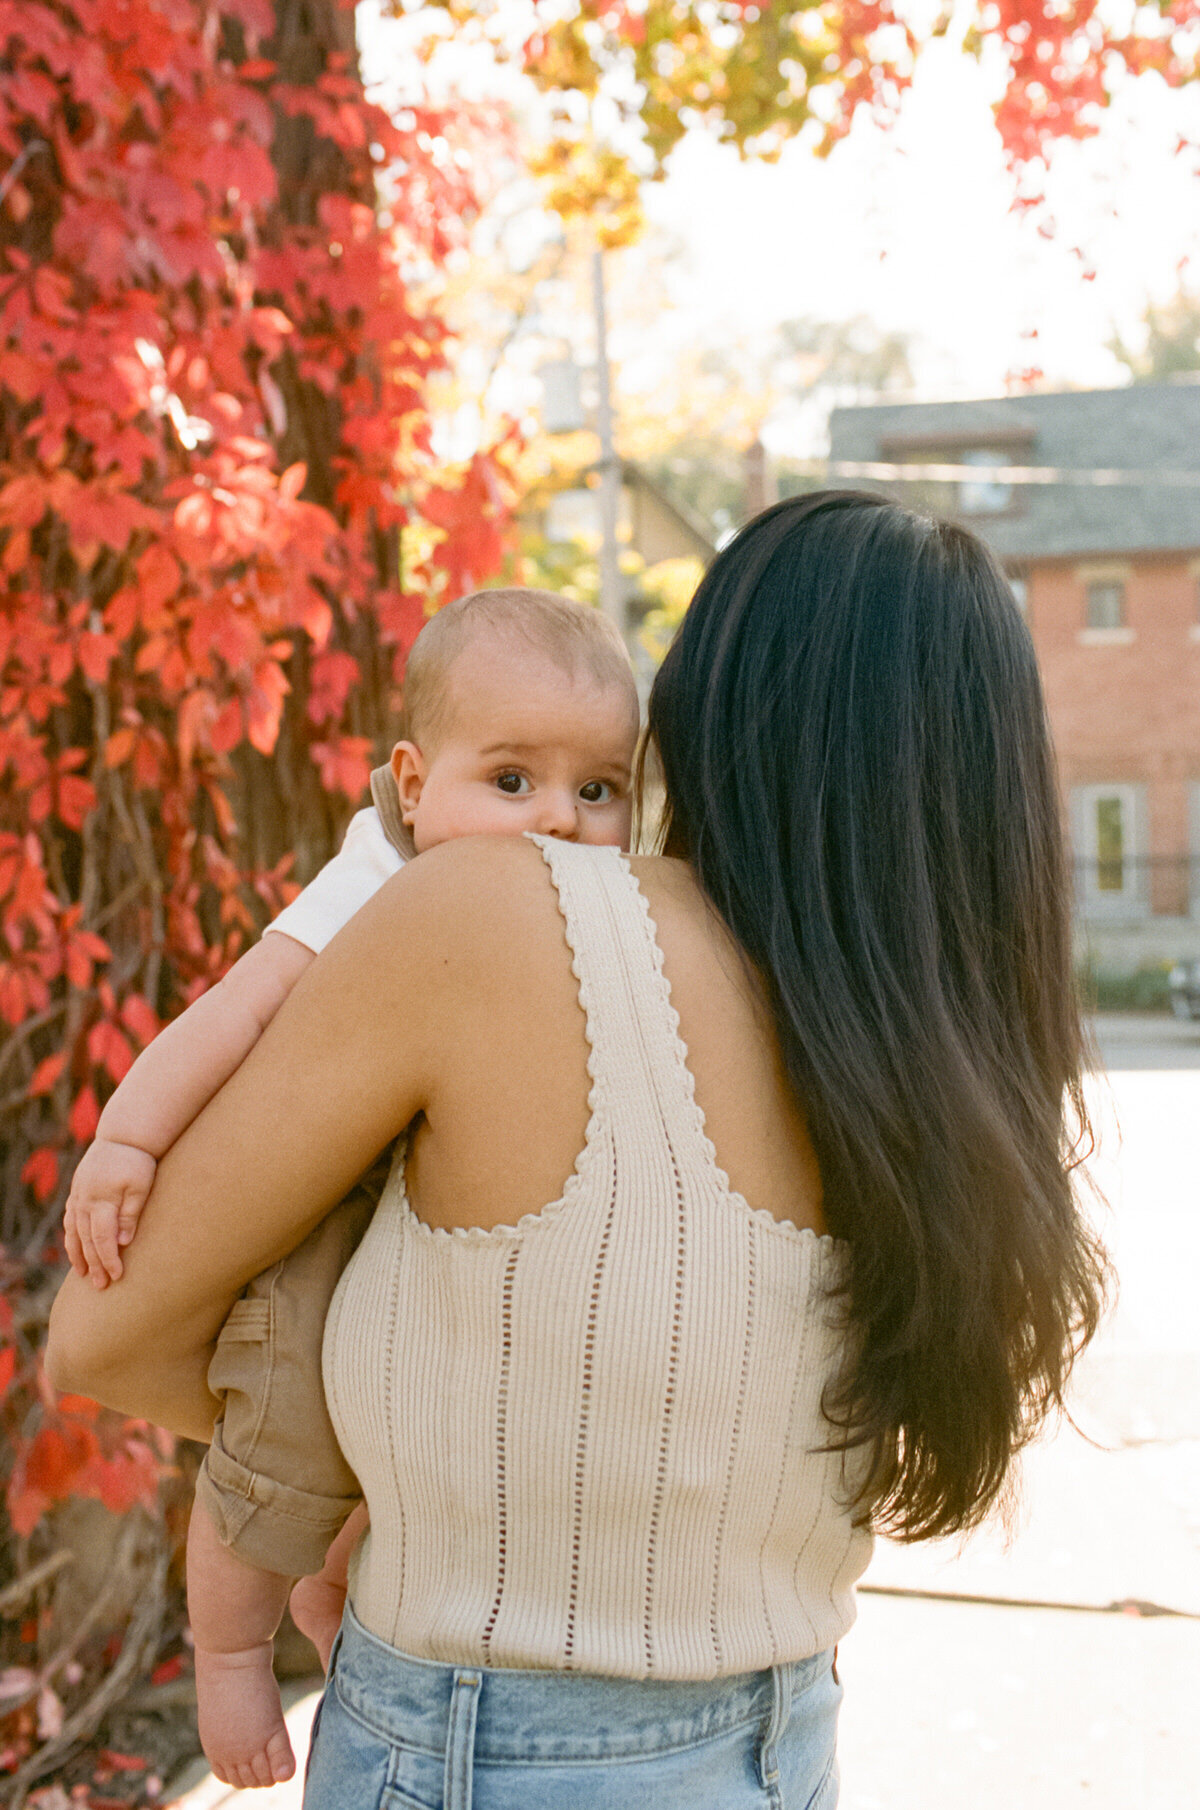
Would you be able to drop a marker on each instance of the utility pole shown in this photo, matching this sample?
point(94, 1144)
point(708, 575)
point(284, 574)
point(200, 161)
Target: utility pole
point(612, 598)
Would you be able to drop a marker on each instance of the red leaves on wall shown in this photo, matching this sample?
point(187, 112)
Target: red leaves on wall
point(81, 1451)
point(187, 571)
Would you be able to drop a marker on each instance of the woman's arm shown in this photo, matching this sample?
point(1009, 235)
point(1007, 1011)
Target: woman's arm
point(169, 1084)
point(345, 1064)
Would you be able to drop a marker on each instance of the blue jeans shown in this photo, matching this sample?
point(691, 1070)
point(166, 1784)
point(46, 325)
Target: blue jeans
point(396, 1733)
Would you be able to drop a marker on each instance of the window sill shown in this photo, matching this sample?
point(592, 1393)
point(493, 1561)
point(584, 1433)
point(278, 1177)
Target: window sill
point(1115, 912)
point(1106, 637)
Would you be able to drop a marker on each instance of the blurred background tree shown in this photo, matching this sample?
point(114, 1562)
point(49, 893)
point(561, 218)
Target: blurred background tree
point(1171, 346)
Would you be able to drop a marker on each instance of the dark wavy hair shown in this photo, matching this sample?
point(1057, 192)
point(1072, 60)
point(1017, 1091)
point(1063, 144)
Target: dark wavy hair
point(858, 768)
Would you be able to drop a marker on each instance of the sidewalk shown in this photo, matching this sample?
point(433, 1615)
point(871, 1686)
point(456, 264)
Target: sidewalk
point(954, 1704)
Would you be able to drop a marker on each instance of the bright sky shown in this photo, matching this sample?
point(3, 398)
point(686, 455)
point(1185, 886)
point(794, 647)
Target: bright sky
point(913, 228)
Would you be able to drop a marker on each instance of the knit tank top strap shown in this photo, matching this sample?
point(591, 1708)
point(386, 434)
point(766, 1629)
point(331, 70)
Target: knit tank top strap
point(638, 1063)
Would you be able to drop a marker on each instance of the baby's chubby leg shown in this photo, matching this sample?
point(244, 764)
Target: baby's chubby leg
point(235, 1609)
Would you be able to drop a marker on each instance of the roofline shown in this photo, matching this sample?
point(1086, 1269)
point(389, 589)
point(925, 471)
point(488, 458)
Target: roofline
point(1014, 435)
point(1010, 556)
point(631, 471)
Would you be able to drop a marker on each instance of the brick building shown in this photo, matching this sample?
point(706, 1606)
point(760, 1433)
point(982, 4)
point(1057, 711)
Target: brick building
point(1108, 573)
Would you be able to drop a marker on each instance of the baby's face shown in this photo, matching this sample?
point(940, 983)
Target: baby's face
point(525, 746)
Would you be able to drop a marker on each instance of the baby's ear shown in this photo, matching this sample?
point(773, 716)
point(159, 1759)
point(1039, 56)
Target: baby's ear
point(408, 770)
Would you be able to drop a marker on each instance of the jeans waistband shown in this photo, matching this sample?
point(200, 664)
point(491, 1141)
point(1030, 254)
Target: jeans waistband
point(537, 1716)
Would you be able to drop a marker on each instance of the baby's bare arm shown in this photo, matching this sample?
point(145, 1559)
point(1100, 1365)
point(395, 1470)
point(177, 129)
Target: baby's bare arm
point(169, 1084)
point(194, 1056)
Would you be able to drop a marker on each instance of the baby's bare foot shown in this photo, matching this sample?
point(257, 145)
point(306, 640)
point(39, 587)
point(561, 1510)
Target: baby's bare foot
point(316, 1607)
point(242, 1730)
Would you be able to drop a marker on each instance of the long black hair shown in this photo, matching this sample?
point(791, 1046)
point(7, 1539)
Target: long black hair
point(858, 767)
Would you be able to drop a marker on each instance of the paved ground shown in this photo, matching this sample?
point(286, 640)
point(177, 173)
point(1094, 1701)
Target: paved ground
point(990, 1705)
point(953, 1707)
point(1140, 1041)
point(951, 1704)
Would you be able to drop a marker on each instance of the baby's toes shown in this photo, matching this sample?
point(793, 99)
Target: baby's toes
point(258, 1772)
point(281, 1761)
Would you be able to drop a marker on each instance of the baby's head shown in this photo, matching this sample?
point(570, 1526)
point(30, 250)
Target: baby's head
point(523, 715)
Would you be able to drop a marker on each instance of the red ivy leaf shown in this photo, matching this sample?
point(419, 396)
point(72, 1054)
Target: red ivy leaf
point(292, 481)
point(138, 1016)
point(41, 1173)
point(81, 1406)
point(119, 747)
point(343, 764)
point(84, 1115)
point(122, 1762)
point(76, 797)
point(109, 1048)
point(47, 1072)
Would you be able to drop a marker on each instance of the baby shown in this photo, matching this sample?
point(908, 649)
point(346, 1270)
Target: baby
point(523, 716)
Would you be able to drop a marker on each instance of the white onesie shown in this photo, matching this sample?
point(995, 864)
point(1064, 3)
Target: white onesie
point(370, 854)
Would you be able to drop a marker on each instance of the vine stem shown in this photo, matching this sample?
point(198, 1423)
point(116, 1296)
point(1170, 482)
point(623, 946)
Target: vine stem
point(137, 1649)
point(22, 1588)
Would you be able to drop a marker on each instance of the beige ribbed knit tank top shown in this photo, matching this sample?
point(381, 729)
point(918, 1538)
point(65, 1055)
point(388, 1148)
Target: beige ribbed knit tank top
point(590, 1441)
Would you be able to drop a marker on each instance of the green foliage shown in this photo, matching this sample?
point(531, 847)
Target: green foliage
point(1172, 340)
point(1117, 990)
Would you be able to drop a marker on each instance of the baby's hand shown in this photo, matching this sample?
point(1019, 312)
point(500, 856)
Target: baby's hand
point(104, 1205)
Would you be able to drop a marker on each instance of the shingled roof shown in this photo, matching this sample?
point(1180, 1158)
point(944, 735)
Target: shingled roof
point(1142, 428)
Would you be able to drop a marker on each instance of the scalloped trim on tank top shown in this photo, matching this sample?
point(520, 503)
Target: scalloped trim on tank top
point(826, 1248)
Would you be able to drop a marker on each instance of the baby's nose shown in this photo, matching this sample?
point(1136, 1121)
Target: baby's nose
point(558, 816)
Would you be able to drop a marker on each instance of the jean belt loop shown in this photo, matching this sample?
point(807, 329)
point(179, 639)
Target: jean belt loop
point(781, 1709)
point(460, 1738)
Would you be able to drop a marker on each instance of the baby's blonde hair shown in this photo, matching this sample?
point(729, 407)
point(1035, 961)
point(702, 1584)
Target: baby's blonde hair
point(572, 635)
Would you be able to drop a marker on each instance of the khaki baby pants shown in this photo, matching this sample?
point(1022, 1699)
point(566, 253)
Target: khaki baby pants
point(274, 1481)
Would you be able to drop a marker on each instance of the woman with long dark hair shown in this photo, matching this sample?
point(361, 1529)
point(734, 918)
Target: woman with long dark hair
point(623, 1453)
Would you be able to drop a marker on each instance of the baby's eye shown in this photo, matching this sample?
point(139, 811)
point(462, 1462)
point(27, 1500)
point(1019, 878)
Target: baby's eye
point(597, 791)
point(513, 783)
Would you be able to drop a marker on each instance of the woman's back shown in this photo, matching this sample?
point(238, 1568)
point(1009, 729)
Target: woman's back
point(509, 1112)
point(589, 1431)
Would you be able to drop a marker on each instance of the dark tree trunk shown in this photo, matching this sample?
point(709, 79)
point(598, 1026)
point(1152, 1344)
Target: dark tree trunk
point(283, 807)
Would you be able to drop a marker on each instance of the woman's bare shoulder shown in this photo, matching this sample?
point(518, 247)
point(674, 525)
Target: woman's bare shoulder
point(462, 903)
point(666, 874)
point(678, 905)
point(471, 876)
point(482, 898)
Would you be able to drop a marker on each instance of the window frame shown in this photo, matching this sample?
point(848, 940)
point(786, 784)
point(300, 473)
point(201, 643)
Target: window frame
point(1109, 572)
point(1018, 584)
point(984, 455)
point(1133, 898)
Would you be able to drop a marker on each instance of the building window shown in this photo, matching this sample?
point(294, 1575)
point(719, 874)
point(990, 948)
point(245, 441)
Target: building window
point(1108, 847)
point(1110, 844)
point(1106, 603)
point(983, 496)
